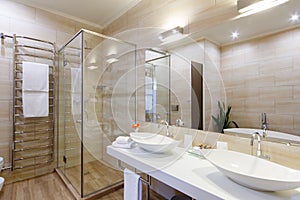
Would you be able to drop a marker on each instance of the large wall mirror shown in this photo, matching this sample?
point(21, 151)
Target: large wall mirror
point(256, 72)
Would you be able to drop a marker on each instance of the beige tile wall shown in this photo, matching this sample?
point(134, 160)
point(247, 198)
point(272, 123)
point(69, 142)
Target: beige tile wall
point(263, 75)
point(19, 19)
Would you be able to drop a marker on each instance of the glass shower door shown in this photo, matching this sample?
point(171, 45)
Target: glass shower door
point(96, 104)
point(70, 115)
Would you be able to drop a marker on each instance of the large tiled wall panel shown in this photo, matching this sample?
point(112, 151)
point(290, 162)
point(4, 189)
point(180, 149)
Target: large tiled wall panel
point(263, 75)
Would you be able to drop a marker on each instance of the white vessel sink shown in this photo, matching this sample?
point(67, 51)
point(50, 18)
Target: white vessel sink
point(154, 143)
point(254, 172)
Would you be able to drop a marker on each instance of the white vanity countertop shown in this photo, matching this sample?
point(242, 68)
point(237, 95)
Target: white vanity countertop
point(193, 175)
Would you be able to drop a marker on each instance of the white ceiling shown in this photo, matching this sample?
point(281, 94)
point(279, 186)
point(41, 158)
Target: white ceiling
point(263, 23)
point(93, 12)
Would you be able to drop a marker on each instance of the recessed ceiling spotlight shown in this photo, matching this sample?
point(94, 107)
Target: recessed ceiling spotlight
point(295, 17)
point(235, 35)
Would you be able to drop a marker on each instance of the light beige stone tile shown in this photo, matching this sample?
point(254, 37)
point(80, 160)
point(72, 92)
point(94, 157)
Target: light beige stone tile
point(56, 22)
point(290, 107)
point(33, 30)
point(296, 92)
point(17, 11)
point(6, 90)
point(5, 69)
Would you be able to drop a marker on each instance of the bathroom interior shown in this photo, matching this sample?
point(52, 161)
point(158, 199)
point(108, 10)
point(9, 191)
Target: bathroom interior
point(165, 65)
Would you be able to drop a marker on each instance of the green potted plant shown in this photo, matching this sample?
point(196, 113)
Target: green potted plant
point(222, 120)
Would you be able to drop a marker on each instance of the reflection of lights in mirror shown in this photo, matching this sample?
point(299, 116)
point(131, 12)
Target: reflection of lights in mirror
point(172, 33)
point(235, 35)
point(112, 60)
point(92, 67)
point(250, 7)
point(294, 17)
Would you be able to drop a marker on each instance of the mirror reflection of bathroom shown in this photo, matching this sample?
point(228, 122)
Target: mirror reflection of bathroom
point(157, 84)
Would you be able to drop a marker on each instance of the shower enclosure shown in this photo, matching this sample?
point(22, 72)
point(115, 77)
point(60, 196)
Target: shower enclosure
point(96, 103)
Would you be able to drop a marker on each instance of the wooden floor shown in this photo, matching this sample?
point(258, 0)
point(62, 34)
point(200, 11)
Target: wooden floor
point(50, 187)
point(97, 175)
point(41, 188)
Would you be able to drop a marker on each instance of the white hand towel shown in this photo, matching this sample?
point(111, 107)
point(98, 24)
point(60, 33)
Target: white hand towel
point(124, 146)
point(123, 139)
point(132, 186)
point(35, 104)
point(35, 77)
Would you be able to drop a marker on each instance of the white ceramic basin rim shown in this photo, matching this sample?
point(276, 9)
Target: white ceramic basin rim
point(254, 172)
point(154, 143)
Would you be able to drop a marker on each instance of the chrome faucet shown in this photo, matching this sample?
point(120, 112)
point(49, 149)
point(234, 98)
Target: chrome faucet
point(165, 122)
point(179, 122)
point(258, 151)
point(264, 124)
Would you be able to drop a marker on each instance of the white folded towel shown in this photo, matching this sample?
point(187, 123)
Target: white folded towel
point(35, 77)
point(123, 139)
point(132, 185)
point(35, 89)
point(124, 146)
point(35, 104)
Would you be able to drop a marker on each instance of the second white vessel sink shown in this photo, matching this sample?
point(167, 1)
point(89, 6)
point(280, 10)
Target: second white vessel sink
point(254, 172)
point(153, 142)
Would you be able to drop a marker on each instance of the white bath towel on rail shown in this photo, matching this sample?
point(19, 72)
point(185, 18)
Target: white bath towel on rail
point(35, 89)
point(132, 185)
point(35, 104)
point(35, 77)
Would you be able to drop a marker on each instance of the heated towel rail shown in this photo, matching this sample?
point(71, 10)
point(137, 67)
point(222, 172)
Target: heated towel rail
point(33, 138)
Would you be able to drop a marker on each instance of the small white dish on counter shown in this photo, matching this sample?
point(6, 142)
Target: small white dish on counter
point(154, 143)
point(254, 172)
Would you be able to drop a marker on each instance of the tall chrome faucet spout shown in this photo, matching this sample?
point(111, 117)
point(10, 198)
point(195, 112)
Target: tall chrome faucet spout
point(258, 151)
point(264, 124)
point(164, 122)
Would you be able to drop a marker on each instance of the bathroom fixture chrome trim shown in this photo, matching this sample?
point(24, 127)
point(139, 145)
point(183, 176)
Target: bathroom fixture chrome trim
point(179, 122)
point(34, 156)
point(35, 39)
point(36, 48)
point(30, 148)
point(264, 124)
point(146, 181)
point(258, 151)
point(38, 131)
point(34, 165)
point(174, 31)
point(40, 47)
point(165, 122)
point(32, 55)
